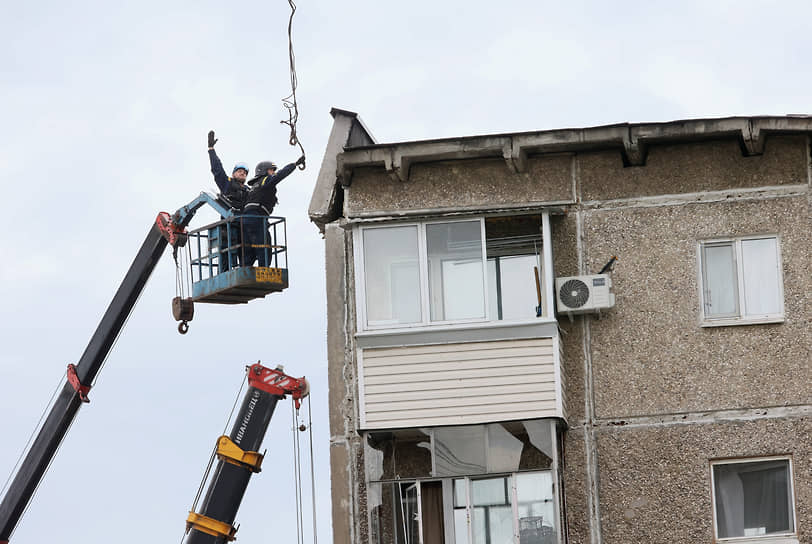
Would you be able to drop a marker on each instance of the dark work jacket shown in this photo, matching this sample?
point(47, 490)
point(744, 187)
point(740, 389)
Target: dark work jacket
point(263, 191)
point(230, 188)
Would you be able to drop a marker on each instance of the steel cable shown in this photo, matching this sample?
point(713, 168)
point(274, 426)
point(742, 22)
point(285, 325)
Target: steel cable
point(290, 101)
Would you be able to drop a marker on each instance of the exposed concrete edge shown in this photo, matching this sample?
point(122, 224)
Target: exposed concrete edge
point(723, 195)
point(712, 416)
point(632, 140)
point(325, 203)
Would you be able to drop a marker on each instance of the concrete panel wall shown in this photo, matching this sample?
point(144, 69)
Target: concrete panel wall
point(649, 354)
point(344, 443)
point(460, 184)
point(655, 481)
point(692, 167)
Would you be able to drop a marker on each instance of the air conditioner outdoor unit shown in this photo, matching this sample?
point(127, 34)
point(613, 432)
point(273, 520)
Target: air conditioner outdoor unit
point(583, 294)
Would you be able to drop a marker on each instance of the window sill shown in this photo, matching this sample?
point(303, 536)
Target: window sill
point(781, 539)
point(464, 332)
point(733, 321)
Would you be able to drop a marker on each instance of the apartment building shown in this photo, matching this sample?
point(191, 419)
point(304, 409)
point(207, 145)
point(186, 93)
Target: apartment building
point(478, 397)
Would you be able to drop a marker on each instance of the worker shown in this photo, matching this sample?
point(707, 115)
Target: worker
point(232, 188)
point(259, 204)
point(233, 191)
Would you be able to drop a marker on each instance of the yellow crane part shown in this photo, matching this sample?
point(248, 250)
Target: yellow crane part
point(230, 452)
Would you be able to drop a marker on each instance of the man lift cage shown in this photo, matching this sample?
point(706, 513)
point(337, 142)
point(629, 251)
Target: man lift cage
point(220, 268)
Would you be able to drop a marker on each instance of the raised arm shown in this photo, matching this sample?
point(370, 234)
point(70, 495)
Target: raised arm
point(285, 171)
point(220, 176)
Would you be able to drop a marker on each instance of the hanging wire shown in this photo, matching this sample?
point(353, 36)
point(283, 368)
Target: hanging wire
point(190, 279)
point(236, 400)
point(45, 411)
point(312, 469)
point(297, 475)
point(290, 101)
point(45, 472)
point(214, 450)
point(205, 478)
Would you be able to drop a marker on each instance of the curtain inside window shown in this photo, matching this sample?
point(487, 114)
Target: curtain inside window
point(753, 499)
point(431, 494)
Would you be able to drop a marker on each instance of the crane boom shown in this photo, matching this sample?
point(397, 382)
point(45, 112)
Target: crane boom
point(238, 456)
point(81, 375)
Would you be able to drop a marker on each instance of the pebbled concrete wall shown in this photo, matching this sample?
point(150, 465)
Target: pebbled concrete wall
point(655, 480)
point(693, 167)
point(460, 184)
point(650, 355)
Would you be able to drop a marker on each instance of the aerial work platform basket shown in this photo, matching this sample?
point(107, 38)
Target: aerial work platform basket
point(219, 254)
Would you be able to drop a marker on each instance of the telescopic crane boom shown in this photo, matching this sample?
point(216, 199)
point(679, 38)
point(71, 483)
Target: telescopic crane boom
point(166, 229)
point(238, 458)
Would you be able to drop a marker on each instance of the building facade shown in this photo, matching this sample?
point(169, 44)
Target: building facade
point(468, 405)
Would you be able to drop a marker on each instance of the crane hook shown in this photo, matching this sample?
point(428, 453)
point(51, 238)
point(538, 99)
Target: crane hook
point(183, 327)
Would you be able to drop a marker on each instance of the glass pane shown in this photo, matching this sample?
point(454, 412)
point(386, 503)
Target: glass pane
point(489, 492)
point(719, 270)
point(492, 511)
point(412, 522)
point(460, 501)
point(460, 526)
point(493, 300)
point(459, 450)
point(493, 525)
point(753, 499)
point(392, 275)
point(534, 493)
point(504, 449)
point(518, 287)
point(761, 277)
point(456, 275)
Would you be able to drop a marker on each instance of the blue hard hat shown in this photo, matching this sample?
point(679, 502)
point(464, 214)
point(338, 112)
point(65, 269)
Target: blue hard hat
point(240, 165)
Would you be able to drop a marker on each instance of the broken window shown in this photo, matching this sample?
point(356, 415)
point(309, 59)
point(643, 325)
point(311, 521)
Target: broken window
point(484, 510)
point(462, 485)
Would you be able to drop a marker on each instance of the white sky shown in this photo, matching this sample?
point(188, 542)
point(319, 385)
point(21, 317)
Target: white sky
point(105, 108)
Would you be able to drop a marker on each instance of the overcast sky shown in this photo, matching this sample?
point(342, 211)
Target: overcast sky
point(105, 108)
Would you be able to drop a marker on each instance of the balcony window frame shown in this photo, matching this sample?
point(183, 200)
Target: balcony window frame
point(786, 537)
point(740, 316)
point(426, 323)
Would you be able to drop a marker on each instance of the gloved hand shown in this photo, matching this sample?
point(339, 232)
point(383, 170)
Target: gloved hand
point(212, 139)
point(300, 161)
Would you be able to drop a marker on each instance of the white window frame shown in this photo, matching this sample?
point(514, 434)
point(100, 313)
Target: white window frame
point(741, 318)
point(545, 259)
point(448, 502)
point(790, 537)
point(422, 258)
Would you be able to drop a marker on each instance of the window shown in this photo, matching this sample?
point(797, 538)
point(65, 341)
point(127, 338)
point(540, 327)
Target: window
point(445, 272)
point(741, 281)
point(486, 510)
point(476, 484)
point(753, 499)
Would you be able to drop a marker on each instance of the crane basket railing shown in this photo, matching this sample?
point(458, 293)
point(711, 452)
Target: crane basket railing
point(221, 246)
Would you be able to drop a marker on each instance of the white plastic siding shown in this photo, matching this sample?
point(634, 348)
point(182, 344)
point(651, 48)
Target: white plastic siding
point(455, 384)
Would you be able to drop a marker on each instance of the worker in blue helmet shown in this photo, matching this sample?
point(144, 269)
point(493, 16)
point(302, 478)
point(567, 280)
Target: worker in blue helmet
point(259, 204)
point(232, 188)
point(234, 192)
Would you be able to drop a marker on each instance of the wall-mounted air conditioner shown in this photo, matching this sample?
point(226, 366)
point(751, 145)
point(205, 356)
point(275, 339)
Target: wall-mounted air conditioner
point(583, 294)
